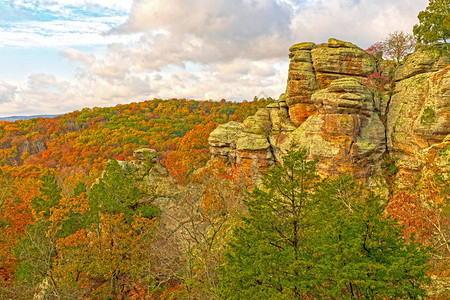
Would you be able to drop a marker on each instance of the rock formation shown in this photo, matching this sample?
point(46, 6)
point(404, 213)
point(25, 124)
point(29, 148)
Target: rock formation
point(418, 122)
point(329, 108)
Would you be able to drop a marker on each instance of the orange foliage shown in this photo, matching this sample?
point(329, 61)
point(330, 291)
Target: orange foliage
point(84, 140)
point(191, 153)
point(425, 216)
point(17, 187)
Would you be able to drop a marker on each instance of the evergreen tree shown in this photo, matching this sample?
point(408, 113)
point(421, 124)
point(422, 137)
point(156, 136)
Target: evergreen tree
point(50, 195)
point(36, 251)
point(362, 253)
point(116, 192)
point(270, 256)
point(305, 239)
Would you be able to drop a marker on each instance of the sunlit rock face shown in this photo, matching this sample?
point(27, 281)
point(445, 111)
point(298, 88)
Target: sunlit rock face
point(418, 122)
point(329, 109)
point(346, 134)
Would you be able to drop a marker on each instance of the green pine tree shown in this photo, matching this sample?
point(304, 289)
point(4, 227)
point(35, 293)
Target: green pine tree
point(50, 195)
point(305, 239)
point(116, 192)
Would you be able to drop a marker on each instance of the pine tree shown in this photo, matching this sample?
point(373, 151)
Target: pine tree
point(319, 240)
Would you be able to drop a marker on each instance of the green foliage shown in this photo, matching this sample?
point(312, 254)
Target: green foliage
point(35, 254)
point(428, 117)
point(318, 240)
point(50, 195)
point(79, 189)
point(434, 23)
point(36, 250)
point(115, 192)
point(389, 165)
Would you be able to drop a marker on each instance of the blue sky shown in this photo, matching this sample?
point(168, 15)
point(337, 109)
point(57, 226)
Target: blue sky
point(58, 56)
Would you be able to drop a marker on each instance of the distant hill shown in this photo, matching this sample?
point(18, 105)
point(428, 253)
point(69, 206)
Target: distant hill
point(15, 118)
point(84, 140)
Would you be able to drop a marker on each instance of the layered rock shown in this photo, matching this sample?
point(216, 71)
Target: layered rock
point(251, 145)
point(346, 130)
point(314, 67)
point(338, 59)
point(301, 83)
point(328, 109)
point(419, 120)
point(423, 60)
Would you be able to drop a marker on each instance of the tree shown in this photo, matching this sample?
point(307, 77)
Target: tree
point(398, 44)
point(189, 244)
point(110, 256)
point(319, 240)
point(117, 192)
point(268, 256)
point(434, 23)
point(37, 251)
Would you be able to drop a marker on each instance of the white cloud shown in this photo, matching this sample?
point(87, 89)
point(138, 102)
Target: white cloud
point(206, 31)
point(7, 92)
point(78, 56)
point(363, 22)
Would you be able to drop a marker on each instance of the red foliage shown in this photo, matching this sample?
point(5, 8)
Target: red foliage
point(375, 49)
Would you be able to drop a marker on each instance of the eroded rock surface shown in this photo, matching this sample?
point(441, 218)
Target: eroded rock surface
point(328, 108)
point(419, 122)
point(345, 135)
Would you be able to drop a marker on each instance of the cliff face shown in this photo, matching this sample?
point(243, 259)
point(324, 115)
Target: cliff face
point(418, 122)
point(331, 107)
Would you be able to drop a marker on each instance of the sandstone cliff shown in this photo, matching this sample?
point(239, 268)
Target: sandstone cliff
point(332, 108)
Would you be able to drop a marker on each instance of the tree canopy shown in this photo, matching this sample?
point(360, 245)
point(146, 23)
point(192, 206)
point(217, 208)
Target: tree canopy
point(434, 23)
point(311, 239)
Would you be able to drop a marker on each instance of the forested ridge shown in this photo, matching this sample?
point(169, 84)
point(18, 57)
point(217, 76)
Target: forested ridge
point(82, 141)
point(49, 164)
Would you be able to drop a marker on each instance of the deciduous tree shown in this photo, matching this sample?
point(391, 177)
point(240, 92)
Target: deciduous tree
point(434, 23)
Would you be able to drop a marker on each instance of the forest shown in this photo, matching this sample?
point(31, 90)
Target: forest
point(49, 164)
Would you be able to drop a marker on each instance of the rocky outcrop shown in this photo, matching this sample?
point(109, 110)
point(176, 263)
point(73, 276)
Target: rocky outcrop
point(325, 108)
point(302, 83)
point(314, 67)
point(419, 122)
point(345, 130)
point(330, 109)
point(423, 60)
point(249, 145)
point(338, 59)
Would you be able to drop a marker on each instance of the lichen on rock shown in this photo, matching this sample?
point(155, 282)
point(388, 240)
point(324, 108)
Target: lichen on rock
point(329, 109)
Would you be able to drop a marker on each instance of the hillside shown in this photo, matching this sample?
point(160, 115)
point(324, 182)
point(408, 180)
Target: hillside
point(82, 141)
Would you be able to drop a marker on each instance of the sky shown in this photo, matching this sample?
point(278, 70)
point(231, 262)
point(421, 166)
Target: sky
point(58, 56)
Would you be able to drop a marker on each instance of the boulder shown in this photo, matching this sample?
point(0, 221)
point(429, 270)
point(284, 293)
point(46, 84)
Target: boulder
point(146, 154)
